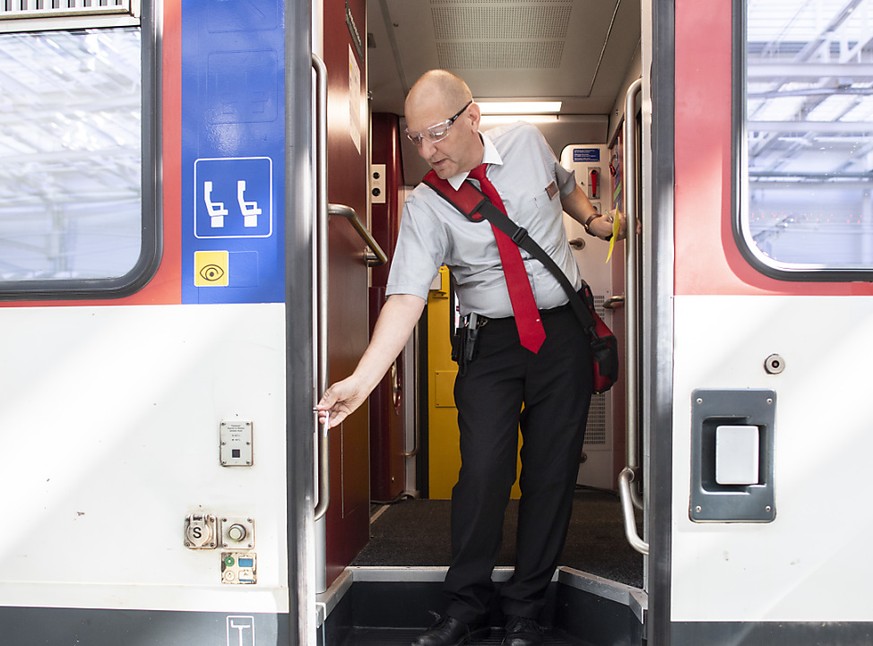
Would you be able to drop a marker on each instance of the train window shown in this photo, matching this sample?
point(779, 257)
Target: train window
point(805, 137)
point(77, 198)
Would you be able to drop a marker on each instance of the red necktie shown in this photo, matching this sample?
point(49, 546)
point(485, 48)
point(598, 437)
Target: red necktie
point(524, 305)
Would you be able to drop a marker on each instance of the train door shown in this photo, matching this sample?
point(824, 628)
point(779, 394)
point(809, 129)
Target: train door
point(764, 538)
point(349, 245)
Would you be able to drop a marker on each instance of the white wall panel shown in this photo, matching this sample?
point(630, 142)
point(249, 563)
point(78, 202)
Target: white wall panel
point(109, 428)
point(812, 562)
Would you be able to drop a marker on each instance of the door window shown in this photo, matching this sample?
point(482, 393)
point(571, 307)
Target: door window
point(77, 211)
point(805, 137)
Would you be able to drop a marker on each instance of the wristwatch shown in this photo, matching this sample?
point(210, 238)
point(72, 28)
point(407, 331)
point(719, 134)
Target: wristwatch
point(587, 223)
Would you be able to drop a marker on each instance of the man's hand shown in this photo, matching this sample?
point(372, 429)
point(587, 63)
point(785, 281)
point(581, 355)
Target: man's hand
point(396, 321)
point(603, 226)
point(341, 400)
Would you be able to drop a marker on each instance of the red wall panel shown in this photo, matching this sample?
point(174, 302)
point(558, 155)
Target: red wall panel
point(707, 259)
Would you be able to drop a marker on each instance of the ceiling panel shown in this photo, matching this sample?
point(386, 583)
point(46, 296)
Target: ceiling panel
point(574, 50)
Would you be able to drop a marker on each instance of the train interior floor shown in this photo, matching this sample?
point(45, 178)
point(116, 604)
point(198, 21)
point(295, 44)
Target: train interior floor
point(415, 532)
point(394, 587)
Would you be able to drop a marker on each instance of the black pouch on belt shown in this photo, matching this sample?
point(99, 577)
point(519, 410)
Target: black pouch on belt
point(464, 342)
point(458, 344)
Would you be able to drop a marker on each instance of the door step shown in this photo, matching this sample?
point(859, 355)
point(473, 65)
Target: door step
point(405, 636)
point(388, 606)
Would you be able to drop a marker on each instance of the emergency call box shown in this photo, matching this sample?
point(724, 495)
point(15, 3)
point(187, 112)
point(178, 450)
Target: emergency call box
point(236, 448)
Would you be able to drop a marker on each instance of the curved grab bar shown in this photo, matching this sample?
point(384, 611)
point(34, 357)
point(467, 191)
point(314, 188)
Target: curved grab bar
point(631, 316)
point(630, 523)
point(349, 214)
point(630, 498)
point(323, 470)
point(614, 302)
point(319, 274)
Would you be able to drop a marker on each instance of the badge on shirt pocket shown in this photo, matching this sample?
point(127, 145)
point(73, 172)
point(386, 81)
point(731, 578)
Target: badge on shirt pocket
point(552, 190)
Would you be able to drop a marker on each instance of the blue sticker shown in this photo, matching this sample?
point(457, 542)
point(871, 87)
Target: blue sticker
point(233, 198)
point(233, 152)
point(586, 154)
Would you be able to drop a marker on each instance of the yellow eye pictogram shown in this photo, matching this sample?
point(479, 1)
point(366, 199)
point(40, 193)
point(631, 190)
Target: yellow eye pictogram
point(211, 269)
point(212, 273)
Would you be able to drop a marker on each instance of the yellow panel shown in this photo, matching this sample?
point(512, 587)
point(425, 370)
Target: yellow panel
point(211, 269)
point(444, 388)
point(443, 444)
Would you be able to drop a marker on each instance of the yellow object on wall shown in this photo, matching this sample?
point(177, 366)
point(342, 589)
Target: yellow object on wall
point(444, 458)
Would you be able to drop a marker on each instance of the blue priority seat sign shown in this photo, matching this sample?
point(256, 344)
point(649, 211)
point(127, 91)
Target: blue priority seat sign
point(233, 197)
point(233, 152)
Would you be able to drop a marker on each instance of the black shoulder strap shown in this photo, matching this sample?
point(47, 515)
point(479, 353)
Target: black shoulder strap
point(475, 206)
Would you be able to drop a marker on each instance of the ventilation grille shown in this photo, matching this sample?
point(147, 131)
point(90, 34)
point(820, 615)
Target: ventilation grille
point(599, 300)
point(500, 35)
point(477, 22)
point(595, 432)
point(499, 55)
point(548, 3)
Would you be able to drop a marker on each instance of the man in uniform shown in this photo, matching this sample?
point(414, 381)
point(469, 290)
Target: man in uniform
point(539, 379)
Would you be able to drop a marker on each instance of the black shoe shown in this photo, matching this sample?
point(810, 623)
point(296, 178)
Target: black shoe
point(448, 632)
point(521, 631)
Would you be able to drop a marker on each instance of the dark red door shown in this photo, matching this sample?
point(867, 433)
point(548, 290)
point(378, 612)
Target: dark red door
point(347, 526)
point(388, 401)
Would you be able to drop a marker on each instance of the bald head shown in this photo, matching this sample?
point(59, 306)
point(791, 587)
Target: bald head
point(437, 97)
point(438, 89)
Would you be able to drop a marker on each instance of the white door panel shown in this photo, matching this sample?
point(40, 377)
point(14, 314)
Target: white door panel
point(812, 562)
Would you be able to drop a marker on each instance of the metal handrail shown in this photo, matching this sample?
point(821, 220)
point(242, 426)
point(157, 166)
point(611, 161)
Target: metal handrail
point(614, 302)
point(320, 281)
point(630, 522)
point(348, 213)
point(629, 498)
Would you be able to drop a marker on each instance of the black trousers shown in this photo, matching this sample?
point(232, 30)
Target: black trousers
point(548, 394)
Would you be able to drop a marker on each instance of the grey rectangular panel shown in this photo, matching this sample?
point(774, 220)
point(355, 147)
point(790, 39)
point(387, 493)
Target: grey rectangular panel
point(711, 501)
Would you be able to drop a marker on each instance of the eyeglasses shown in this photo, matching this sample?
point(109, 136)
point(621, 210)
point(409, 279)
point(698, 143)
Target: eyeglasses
point(438, 131)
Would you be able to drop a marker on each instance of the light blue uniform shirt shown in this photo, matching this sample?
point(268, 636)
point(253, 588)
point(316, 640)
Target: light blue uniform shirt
point(530, 181)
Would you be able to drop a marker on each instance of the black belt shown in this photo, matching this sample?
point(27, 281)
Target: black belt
point(480, 320)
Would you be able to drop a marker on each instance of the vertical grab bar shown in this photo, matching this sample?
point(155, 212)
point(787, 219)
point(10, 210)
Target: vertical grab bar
point(319, 287)
point(628, 498)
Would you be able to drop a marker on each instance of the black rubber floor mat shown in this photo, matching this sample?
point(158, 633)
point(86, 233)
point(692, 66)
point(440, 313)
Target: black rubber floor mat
point(416, 533)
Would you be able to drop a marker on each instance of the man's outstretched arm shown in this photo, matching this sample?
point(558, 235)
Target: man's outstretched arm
point(393, 327)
